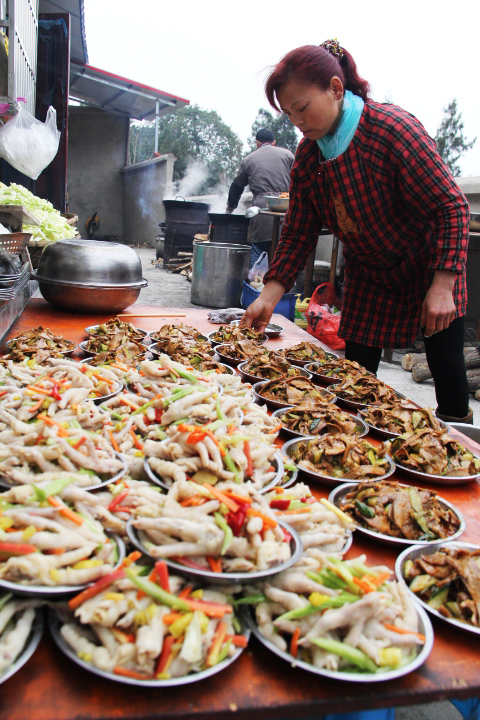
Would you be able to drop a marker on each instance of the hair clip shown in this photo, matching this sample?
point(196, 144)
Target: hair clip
point(334, 48)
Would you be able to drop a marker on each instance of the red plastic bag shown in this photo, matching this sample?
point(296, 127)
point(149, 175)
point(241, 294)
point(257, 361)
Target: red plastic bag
point(322, 324)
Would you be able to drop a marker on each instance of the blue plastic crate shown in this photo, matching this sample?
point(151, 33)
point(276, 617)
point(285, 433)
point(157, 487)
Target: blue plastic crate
point(285, 307)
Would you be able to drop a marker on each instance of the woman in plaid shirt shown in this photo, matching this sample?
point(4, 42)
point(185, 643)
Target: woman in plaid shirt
point(370, 173)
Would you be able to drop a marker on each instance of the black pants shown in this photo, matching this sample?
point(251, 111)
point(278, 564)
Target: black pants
point(446, 361)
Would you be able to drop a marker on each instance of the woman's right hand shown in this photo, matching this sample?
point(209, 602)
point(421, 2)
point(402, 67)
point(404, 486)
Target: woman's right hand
point(258, 314)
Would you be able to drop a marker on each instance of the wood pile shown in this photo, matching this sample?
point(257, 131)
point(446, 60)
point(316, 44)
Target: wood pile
point(416, 363)
point(181, 264)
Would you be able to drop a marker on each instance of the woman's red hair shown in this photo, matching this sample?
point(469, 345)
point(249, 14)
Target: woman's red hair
point(313, 64)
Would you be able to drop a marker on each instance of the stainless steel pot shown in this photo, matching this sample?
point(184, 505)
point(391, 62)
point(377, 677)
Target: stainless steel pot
point(219, 270)
point(89, 275)
point(90, 262)
point(89, 298)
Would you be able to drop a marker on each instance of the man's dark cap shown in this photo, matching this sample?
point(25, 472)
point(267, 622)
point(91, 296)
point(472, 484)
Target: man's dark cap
point(265, 135)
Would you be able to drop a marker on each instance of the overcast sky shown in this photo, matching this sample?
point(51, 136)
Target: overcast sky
point(420, 54)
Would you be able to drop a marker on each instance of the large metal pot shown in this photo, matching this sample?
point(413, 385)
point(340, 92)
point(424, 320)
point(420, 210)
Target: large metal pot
point(219, 270)
point(229, 228)
point(89, 275)
point(183, 220)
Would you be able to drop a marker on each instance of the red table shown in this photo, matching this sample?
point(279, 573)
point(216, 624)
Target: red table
point(259, 685)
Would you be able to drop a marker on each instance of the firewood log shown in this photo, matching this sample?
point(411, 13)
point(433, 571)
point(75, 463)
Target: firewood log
point(421, 372)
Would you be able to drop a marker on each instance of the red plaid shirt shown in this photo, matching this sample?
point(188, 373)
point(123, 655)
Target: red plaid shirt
point(400, 214)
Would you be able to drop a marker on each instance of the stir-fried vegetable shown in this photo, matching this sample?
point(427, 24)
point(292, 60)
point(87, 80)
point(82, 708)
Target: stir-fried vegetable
point(291, 390)
point(229, 333)
point(434, 452)
point(448, 581)
point(342, 456)
point(364, 388)
point(38, 345)
point(392, 509)
point(305, 351)
point(400, 416)
point(315, 416)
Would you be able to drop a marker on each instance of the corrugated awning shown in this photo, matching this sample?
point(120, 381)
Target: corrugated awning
point(118, 94)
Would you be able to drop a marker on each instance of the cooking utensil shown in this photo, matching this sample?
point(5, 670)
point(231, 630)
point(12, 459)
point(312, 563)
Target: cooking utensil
point(277, 204)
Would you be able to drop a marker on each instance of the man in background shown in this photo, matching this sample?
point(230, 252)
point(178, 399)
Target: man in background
point(267, 172)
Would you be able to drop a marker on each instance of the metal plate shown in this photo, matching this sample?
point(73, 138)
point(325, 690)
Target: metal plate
point(437, 479)
point(57, 591)
point(223, 578)
point(277, 462)
point(318, 377)
point(274, 404)
point(336, 497)
point(302, 372)
point(54, 627)
point(5, 482)
point(387, 434)
point(424, 626)
point(226, 358)
point(289, 447)
point(302, 363)
point(30, 646)
point(272, 329)
point(361, 425)
point(413, 552)
point(263, 338)
point(67, 353)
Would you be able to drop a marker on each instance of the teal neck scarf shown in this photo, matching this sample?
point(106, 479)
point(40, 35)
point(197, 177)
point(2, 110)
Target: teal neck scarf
point(334, 145)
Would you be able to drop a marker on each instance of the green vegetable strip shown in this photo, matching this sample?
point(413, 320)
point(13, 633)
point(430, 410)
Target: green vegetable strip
point(156, 592)
point(251, 599)
point(223, 525)
point(349, 653)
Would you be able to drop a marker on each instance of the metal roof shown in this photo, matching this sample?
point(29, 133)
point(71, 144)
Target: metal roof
point(103, 89)
point(118, 94)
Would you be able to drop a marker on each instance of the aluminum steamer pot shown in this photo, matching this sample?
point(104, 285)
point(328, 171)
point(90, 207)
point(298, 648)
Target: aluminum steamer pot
point(89, 276)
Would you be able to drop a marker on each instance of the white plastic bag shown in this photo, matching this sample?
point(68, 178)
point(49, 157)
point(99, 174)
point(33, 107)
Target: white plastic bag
point(28, 144)
point(258, 270)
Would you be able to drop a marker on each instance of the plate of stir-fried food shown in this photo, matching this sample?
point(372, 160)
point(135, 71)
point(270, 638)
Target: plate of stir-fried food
point(399, 514)
point(185, 333)
point(316, 416)
point(445, 579)
point(143, 626)
point(107, 331)
point(47, 548)
point(335, 459)
point(362, 388)
point(433, 455)
point(332, 370)
point(21, 629)
point(305, 352)
point(233, 332)
point(225, 532)
point(285, 391)
point(269, 367)
point(199, 356)
point(341, 619)
point(401, 416)
point(39, 344)
point(236, 351)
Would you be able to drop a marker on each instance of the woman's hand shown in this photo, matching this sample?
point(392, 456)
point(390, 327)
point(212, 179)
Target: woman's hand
point(258, 314)
point(438, 309)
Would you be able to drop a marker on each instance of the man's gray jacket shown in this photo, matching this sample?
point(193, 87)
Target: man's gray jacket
point(266, 171)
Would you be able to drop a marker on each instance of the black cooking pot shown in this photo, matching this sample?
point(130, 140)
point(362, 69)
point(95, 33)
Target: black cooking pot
point(231, 229)
point(183, 220)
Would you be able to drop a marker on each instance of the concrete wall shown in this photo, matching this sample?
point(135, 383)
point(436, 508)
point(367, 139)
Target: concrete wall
point(97, 145)
point(145, 185)
point(470, 186)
